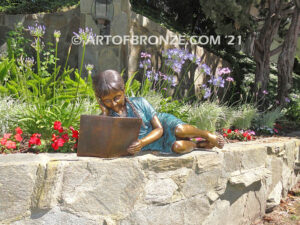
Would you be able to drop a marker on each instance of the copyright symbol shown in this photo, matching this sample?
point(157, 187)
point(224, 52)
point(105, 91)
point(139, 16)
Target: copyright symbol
point(76, 40)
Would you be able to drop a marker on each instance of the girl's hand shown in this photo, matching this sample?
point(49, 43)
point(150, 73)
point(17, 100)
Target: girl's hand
point(135, 147)
point(104, 110)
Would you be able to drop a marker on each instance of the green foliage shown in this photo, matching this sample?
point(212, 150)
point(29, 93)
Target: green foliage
point(293, 110)
point(229, 16)
point(39, 119)
point(174, 107)
point(205, 116)
point(243, 116)
point(29, 6)
point(267, 119)
point(17, 44)
point(9, 110)
point(47, 91)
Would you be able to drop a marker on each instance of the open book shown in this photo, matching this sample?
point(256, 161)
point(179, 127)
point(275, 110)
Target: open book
point(105, 136)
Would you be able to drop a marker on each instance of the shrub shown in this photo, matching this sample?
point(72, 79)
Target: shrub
point(243, 116)
point(205, 115)
point(267, 119)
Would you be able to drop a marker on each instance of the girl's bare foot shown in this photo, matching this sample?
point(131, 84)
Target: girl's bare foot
point(216, 140)
point(204, 144)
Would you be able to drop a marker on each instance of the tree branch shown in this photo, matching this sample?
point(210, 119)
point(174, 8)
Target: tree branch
point(287, 5)
point(288, 12)
point(297, 3)
point(276, 50)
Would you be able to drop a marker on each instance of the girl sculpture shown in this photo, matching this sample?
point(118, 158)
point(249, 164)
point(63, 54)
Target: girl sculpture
point(159, 131)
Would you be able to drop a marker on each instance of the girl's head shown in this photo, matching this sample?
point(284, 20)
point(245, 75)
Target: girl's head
point(109, 88)
point(106, 82)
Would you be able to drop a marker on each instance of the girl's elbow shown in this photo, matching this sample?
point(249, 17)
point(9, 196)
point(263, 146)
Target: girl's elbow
point(161, 131)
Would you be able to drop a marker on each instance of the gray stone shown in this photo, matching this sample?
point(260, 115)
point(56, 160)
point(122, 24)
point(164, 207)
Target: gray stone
point(248, 177)
point(56, 217)
point(195, 188)
point(160, 191)
point(274, 197)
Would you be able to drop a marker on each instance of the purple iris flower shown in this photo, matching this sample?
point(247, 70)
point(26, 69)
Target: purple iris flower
point(206, 68)
point(207, 93)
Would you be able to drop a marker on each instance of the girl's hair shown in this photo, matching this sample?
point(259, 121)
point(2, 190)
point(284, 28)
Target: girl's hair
point(110, 80)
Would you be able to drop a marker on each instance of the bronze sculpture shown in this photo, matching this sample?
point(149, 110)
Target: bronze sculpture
point(159, 131)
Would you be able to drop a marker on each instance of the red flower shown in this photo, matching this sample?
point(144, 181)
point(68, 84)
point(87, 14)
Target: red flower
point(7, 136)
point(225, 135)
point(57, 125)
point(229, 131)
point(54, 137)
point(57, 143)
point(18, 137)
point(34, 140)
point(3, 141)
point(71, 128)
point(75, 134)
point(54, 145)
point(65, 137)
point(19, 130)
point(275, 130)
point(10, 145)
point(249, 137)
point(236, 130)
point(245, 134)
point(224, 130)
point(60, 130)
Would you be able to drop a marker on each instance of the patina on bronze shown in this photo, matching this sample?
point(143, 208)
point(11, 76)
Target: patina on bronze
point(107, 137)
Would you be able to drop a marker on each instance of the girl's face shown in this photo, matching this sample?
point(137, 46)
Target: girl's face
point(115, 100)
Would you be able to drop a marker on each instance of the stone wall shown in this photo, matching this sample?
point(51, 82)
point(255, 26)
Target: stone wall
point(67, 22)
point(230, 186)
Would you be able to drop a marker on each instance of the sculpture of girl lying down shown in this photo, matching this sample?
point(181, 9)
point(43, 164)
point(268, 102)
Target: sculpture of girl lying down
point(159, 131)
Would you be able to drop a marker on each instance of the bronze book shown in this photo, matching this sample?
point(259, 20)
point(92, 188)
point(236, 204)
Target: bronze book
point(107, 137)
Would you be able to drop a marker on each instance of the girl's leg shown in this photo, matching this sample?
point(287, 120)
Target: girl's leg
point(181, 147)
point(189, 131)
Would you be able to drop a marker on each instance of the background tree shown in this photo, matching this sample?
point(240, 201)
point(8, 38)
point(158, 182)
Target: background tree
point(286, 57)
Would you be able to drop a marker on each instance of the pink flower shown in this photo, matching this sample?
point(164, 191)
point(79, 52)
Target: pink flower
point(275, 130)
point(19, 130)
point(10, 145)
point(18, 137)
point(7, 136)
point(3, 141)
point(265, 92)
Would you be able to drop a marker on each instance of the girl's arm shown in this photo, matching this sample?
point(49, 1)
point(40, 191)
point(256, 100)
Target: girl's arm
point(154, 135)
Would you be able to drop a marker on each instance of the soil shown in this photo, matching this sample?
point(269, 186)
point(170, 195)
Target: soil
point(287, 213)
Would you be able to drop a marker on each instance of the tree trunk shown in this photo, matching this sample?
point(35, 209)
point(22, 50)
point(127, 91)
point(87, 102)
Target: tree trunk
point(286, 57)
point(262, 47)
